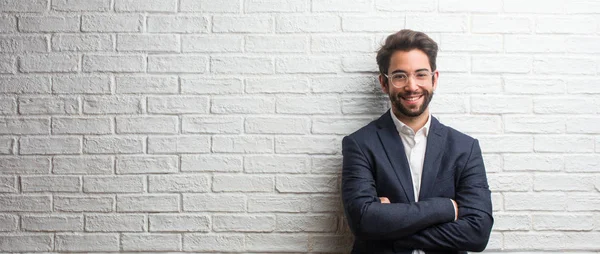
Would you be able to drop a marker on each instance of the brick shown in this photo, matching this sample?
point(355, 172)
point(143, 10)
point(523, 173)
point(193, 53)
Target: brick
point(442, 104)
point(304, 223)
point(177, 104)
point(506, 143)
point(147, 84)
point(307, 24)
point(276, 43)
point(25, 203)
point(249, 65)
point(26, 242)
point(81, 125)
point(83, 203)
point(147, 42)
point(470, 6)
point(212, 124)
point(23, 43)
point(497, 201)
point(113, 63)
point(81, 85)
point(8, 105)
point(146, 5)
point(326, 164)
point(115, 223)
point(242, 144)
point(563, 182)
point(534, 43)
point(501, 24)
point(555, 25)
point(242, 24)
point(178, 183)
point(113, 145)
point(535, 201)
point(582, 6)
point(502, 182)
point(8, 184)
point(114, 184)
point(582, 202)
point(147, 124)
point(8, 24)
point(534, 241)
point(50, 183)
point(471, 43)
point(8, 222)
point(81, 5)
point(582, 163)
point(580, 125)
point(82, 165)
point(359, 84)
point(277, 125)
point(359, 63)
point(454, 63)
point(564, 144)
point(311, 64)
point(373, 24)
point(276, 164)
point(561, 222)
point(474, 124)
point(48, 63)
point(408, 5)
point(6, 145)
point(438, 23)
point(27, 6)
point(8, 64)
point(148, 203)
point(563, 65)
point(30, 84)
point(179, 223)
point(498, 64)
point(308, 105)
point(533, 162)
point(48, 105)
point(48, 23)
point(342, 6)
point(52, 223)
point(196, 85)
point(276, 85)
point(86, 242)
point(24, 125)
point(201, 242)
point(534, 86)
point(211, 43)
point(20, 165)
point(306, 184)
point(214, 203)
point(342, 43)
point(326, 203)
point(50, 145)
point(112, 23)
point(179, 144)
point(210, 6)
point(243, 223)
point(211, 163)
point(565, 105)
point(512, 222)
point(366, 105)
point(581, 44)
point(142, 164)
point(279, 203)
point(539, 124)
point(501, 104)
point(177, 24)
point(177, 63)
point(112, 105)
point(277, 242)
point(332, 243)
point(242, 183)
point(552, 6)
point(276, 6)
point(242, 105)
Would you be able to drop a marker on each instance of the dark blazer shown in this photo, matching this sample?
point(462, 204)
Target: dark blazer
point(375, 165)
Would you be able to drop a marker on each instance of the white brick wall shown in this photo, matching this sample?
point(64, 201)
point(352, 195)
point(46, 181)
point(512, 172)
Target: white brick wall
point(215, 126)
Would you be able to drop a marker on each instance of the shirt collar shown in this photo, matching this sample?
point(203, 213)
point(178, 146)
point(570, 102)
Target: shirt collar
point(404, 129)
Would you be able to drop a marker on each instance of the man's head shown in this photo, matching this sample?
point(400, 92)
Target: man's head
point(407, 68)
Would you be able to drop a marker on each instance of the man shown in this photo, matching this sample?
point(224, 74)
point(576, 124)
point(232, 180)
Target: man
point(410, 184)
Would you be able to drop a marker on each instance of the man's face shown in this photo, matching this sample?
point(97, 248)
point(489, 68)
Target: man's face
point(412, 98)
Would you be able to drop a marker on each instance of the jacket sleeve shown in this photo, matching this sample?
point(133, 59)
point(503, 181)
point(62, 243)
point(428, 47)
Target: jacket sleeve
point(472, 230)
point(370, 219)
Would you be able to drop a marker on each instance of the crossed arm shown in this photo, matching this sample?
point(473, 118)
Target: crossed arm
point(427, 224)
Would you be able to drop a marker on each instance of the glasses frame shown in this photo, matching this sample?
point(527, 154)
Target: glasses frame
point(408, 76)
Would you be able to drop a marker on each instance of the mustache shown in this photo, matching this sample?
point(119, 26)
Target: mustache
point(411, 93)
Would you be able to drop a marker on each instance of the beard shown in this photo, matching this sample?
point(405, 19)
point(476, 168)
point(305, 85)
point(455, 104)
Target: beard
point(396, 100)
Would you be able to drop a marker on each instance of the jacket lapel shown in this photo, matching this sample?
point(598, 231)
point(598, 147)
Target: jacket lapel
point(392, 144)
point(433, 153)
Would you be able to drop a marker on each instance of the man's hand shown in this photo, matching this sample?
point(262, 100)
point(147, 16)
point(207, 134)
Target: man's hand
point(455, 209)
point(385, 200)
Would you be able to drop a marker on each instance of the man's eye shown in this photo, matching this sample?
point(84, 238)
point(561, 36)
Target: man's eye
point(400, 77)
point(421, 75)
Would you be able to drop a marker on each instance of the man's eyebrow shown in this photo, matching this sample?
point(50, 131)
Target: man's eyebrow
point(403, 71)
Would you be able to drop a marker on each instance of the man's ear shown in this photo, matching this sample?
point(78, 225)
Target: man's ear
point(383, 83)
point(436, 77)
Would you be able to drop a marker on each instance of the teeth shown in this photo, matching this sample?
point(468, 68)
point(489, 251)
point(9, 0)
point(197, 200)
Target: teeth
point(412, 98)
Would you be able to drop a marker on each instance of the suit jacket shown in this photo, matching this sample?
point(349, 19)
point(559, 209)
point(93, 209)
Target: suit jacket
point(375, 165)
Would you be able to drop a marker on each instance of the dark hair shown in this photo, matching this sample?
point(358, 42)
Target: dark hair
point(406, 40)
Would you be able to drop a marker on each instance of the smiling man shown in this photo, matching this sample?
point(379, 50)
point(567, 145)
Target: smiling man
point(409, 183)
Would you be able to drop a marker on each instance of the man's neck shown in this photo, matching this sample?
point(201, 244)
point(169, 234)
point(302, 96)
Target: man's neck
point(416, 122)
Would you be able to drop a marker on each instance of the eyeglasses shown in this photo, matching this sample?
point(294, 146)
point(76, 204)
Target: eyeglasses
point(400, 79)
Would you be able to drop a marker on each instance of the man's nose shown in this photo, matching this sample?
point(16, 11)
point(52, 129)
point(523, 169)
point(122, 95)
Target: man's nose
point(411, 84)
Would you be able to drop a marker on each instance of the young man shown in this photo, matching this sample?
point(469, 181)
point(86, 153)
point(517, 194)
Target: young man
point(409, 183)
